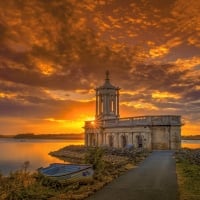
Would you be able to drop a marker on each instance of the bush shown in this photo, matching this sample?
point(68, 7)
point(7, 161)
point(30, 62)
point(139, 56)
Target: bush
point(94, 156)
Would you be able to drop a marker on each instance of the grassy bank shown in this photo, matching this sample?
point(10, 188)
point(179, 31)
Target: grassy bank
point(108, 164)
point(188, 174)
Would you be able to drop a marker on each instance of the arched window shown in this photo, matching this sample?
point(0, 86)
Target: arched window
point(92, 140)
point(110, 140)
point(139, 141)
point(123, 141)
point(112, 106)
point(101, 111)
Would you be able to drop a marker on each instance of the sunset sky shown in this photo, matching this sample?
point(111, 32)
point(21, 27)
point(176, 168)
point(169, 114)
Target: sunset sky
point(54, 53)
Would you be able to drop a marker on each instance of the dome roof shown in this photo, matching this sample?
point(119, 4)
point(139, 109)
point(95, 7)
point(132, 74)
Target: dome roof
point(107, 84)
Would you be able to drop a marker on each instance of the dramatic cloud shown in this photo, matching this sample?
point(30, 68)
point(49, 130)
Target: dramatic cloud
point(54, 53)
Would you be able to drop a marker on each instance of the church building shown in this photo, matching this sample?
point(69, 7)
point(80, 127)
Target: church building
point(108, 129)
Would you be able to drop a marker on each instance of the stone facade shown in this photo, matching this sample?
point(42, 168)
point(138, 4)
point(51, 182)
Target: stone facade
point(108, 129)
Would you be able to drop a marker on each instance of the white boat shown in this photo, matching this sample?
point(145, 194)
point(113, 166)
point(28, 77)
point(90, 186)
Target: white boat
point(62, 171)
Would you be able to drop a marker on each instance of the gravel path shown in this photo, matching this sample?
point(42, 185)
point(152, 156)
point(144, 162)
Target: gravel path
point(154, 179)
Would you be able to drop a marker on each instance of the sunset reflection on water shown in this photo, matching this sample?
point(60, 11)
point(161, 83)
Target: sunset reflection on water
point(192, 144)
point(13, 153)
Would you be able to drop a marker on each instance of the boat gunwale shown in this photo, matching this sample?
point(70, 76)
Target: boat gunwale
point(89, 166)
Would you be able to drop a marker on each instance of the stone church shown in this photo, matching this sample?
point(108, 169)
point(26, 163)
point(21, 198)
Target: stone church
point(108, 129)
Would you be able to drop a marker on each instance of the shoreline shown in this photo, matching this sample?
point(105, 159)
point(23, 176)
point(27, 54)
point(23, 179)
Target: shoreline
point(113, 155)
point(116, 163)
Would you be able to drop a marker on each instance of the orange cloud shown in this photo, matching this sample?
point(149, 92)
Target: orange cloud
point(159, 51)
point(164, 49)
point(164, 95)
point(46, 69)
point(7, 95)
point(194, 41)
point(189, 63)
point(72, 126)
point(103, 26)
point(139, 105)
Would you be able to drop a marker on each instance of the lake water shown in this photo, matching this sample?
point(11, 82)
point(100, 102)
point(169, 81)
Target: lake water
point(192, 144)
point(13, 153)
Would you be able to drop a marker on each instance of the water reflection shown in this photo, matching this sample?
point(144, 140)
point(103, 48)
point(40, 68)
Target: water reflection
point(13, 153)
point(192, 144)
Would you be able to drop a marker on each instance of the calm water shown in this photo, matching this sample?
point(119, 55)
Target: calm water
point(192, 144)
point(13, 153)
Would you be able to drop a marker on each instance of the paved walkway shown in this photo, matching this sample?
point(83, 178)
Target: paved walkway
point(154, 179)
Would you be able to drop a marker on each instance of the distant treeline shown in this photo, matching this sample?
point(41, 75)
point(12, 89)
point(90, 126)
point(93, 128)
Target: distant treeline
point(70, 136)
point(191, 137)
point(6, 136)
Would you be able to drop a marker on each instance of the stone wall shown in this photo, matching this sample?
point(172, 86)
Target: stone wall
point(162, 133)
point(175, 137)
point(166, 137)
point(160, 137)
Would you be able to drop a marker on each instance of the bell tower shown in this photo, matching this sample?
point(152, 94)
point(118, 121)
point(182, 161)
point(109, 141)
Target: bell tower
point(107, 100)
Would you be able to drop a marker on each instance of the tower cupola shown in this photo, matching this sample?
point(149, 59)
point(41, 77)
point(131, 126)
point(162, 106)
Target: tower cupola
point(107, 100)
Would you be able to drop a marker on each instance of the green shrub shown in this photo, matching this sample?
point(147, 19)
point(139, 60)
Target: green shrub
point(94, 156)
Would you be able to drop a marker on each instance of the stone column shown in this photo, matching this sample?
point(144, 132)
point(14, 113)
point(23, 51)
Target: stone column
point(97, 139)
point(129, 138)
point(100, 104)
point(117, 102)
point(104, 104)
point(110, 103)
point(115, 105)
point(86, 142)
point(118, 140)
point(88, 139)
point(97, 102)
point(100, 138)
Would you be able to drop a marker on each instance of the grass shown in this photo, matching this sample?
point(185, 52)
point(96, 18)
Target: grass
point(24, 186)
point(188, 175)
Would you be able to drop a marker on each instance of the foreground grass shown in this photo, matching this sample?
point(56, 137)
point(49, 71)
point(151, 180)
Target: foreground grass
point(188, 174)
point(22, 185)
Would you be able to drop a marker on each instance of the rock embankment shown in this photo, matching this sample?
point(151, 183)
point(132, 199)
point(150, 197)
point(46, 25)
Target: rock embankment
point(70, 153)
point(111, 155)
point(191, 155)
